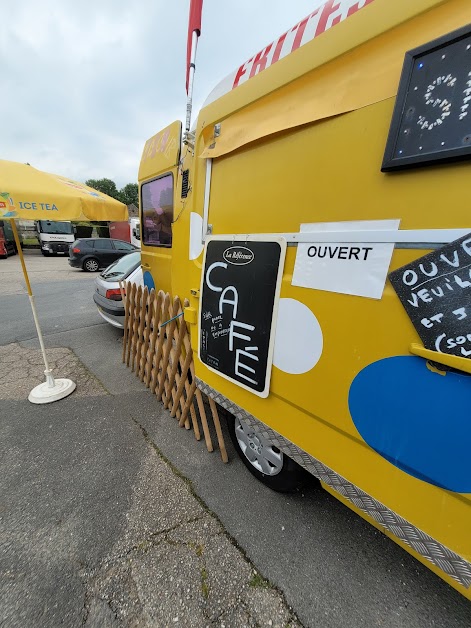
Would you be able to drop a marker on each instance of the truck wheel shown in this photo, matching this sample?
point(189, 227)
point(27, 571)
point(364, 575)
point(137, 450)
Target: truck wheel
point(266, 462)
point(45, 253)
point(91, 265)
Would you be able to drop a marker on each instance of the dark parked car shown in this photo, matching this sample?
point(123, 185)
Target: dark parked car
point(94, 253)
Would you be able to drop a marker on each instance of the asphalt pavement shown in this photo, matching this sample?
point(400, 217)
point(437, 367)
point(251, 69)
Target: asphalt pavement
point(112, 515)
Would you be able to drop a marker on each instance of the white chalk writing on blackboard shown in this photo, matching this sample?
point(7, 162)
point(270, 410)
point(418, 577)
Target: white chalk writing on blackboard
point(435, 291)
point(451, 343)
point(219, 333)
point(213, 361)
point(449, 280)
point(230, 298)
point(240, 286)
point(204, 339)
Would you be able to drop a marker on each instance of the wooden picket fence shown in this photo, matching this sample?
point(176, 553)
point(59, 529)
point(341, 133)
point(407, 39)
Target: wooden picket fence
point(157, 348)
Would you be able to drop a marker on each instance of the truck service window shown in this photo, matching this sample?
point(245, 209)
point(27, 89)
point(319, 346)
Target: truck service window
point(157, 211)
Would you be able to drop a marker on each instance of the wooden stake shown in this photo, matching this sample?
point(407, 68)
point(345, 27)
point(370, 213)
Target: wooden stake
point(217, 425)
point(142, 305)
point(149, 304)
point(153, 337)
point(137, 321)
point(163, 316)
point(167, 331)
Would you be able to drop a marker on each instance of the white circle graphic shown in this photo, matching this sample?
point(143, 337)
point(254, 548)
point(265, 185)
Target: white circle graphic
point(298, 339)
point(196, 235)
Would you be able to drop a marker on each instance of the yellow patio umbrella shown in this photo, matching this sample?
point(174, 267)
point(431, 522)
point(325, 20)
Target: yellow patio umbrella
point(31, 194)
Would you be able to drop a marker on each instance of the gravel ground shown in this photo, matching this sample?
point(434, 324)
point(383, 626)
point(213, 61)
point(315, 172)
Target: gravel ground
point(98, 528)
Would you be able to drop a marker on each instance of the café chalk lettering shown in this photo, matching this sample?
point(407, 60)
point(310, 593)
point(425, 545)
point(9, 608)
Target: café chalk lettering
point(239, 289)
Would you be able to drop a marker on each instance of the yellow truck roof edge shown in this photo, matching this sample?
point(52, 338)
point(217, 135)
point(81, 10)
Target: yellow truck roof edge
point(161, 151)
point(367, 73)
point(375, 18)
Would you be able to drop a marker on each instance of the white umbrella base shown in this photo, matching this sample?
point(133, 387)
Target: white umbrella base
point(45, 393)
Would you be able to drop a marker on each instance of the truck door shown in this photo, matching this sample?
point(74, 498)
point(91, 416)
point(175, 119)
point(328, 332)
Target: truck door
point(157, 177)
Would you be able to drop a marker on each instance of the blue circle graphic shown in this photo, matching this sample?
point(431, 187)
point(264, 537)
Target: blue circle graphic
point(417, 419)
point(148, 280)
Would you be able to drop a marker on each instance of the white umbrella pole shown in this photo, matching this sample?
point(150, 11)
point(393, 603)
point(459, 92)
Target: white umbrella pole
point(51, 389)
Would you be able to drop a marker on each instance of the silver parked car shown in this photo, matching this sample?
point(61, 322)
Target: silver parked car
point(107, 294)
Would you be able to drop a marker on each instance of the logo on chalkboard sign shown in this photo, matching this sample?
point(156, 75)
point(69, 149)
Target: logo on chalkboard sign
point(238, 255)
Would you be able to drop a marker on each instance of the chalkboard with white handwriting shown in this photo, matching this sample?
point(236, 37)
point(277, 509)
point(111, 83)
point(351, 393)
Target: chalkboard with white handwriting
point(240, 286)
point(435, 291)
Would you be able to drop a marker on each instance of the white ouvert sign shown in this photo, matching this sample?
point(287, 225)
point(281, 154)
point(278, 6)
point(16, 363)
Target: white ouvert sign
point(354, 268)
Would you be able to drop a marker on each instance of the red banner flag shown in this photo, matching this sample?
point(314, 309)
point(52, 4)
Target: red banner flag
point(194, 24)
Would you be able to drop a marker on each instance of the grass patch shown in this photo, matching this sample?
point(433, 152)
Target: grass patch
point(143, 546)
point(259, 581)
point(204, 583)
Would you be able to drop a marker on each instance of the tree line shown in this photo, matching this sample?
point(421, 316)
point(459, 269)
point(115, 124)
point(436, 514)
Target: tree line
point(127, 194)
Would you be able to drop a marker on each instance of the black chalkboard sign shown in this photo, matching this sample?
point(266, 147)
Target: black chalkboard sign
point(239, 294)
point(435, 290)
point(431, 119)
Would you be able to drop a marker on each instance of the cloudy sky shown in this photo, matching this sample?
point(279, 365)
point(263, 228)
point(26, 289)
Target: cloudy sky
point(85, 82)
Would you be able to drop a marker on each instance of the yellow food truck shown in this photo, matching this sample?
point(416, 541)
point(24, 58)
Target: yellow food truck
point(317, 217)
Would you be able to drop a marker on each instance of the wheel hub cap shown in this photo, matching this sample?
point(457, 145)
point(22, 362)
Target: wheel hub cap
point(254, 443)
point(259, 452)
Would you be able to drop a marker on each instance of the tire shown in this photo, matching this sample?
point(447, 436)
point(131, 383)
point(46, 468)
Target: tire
point(45, 253)
point(91, 265)
point(266, 462)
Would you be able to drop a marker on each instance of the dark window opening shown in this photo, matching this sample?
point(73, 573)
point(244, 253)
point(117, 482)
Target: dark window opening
point(185, 183)
point(157, 211)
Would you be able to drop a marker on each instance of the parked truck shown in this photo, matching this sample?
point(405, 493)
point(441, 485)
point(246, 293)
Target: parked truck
point(129, 231)
point(54, 237)
point(7, 241)
point(317, 220)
